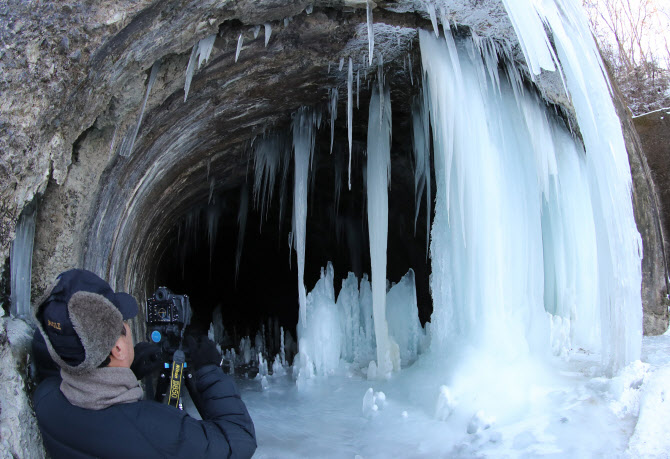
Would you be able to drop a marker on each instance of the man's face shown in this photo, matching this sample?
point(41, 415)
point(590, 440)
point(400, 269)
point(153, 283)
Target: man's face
point(128, 341)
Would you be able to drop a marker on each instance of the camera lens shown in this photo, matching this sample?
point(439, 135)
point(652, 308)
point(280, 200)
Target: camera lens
point(162, 294)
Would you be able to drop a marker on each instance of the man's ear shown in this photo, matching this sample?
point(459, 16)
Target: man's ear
point(119, 350)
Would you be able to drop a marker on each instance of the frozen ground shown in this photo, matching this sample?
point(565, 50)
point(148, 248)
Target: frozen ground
point(565, 412)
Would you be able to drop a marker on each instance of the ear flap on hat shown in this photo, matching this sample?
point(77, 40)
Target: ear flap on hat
point(98, 323)
point(35, 310)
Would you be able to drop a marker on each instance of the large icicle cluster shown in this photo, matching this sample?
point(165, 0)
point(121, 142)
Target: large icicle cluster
point(619, 245)
point(521, 223)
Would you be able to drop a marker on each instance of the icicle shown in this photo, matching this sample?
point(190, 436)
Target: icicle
point(332, 108)
point(341, 64)
point(242, 223)
point(380, 81)
point(286, 22)
point(378, 176)
point(257, 30)
point(201, 51)
point(21, 263)
point(421, 150)
point(282, 349)
point(213, 214)
point(209, 165)
point(268, 32)
point(358, 88)
point(211, 190)
point(371, 33)
point(267, 154)
point(205, 49)
point(240, 40)
point(309, 9)
point(304, 132)
point(411, 72)
point(430, 7)
point(350, 113)
point(329, 68)
point(129, 143)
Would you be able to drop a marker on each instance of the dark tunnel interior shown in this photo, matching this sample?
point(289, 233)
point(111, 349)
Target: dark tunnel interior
point(266, 286)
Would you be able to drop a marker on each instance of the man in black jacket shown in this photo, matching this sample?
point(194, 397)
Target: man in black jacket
point(95, 409)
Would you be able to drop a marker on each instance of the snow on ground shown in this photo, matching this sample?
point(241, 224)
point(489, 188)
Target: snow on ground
point(564, 412)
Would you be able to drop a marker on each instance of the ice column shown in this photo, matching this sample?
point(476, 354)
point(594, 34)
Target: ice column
point(303, 146)
point(22, 263)
point(378, 175)
point(486, 240)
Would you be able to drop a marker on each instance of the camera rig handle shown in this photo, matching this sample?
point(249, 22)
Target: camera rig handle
point(177, 373)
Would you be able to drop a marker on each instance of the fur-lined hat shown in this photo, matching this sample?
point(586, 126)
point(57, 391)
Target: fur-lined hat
point(81, 318)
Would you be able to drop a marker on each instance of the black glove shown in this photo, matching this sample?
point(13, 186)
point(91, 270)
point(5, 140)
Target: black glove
point(147, 359)
point(202, 352)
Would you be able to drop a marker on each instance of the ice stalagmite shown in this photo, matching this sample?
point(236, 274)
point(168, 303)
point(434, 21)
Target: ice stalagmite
point(378, 175)
point(242, 225)
point(617, 239)
point(350, 113)
point(21, 262)
point(129, 143)
point(303, 127)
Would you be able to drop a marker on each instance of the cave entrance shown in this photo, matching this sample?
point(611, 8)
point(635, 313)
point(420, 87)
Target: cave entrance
point(200, 254)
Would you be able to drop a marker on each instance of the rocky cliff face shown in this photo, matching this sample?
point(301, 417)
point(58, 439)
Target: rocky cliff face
point(654, 143)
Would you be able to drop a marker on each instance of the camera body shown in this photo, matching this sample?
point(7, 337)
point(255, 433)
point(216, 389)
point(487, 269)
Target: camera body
point(167, 316)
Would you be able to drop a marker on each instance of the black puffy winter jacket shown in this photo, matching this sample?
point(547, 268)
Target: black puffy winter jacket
point(148, 429)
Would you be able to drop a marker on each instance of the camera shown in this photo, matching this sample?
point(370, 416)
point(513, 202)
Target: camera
point(167, 316)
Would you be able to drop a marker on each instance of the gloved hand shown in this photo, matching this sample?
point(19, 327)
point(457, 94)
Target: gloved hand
point(147, 359)
point(202, 352)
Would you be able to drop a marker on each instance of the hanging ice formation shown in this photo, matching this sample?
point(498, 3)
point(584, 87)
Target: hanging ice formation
point(421, 150)
point(303, 127)
point(201, 52)
point(565, 237)
point(619, 245)
point(378, 176)
point(240, 41)
point(129, 142)
point(350, 114)
point(371, 32)
point(332, 109)
point(242, 224)
point(267, 161)
point(268, 32)
point(21, 263)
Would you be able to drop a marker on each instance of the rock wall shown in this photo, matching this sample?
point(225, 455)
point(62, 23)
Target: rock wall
point(654, 142)
point(19, 434)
